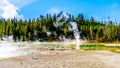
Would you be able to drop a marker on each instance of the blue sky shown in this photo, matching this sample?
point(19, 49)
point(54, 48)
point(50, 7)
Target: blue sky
point(100, 9)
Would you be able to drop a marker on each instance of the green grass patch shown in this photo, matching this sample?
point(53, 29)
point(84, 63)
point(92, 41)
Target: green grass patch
point(100, 47)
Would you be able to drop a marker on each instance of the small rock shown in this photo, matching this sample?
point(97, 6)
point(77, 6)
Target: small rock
point(34, 58)
point(52, 49)
point(57, 53)
point(21, 63)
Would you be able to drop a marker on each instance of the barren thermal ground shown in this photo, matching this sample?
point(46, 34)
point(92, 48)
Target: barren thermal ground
point(64, 59)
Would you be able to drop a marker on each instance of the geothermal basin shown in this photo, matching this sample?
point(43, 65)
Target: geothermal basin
point(9, 49)
point(15, 49)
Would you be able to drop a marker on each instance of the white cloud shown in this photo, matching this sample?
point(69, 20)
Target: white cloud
point(8, 10)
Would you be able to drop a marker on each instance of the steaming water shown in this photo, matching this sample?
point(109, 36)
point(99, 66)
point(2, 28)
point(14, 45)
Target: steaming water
point(8, 50)
point(72, 26)
point(76, 34)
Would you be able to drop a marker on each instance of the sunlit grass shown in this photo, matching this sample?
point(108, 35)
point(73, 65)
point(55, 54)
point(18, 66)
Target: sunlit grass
point(100, 47)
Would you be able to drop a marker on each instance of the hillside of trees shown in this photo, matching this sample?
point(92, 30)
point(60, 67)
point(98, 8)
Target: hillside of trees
point(42, 28)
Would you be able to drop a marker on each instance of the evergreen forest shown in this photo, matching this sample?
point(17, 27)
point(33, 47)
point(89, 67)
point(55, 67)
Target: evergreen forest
point(43, 29)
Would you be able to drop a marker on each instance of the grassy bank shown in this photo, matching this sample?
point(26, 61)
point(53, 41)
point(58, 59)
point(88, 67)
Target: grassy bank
point(100, 47)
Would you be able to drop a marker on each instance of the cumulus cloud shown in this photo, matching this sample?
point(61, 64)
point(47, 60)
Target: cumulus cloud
point(8, 10)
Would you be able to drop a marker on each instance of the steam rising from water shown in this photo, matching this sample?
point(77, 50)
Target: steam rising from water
point(76, 34)
point(9, 49)
point(72, 26)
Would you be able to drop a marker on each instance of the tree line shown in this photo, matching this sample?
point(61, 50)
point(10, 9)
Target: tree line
point(43, 28)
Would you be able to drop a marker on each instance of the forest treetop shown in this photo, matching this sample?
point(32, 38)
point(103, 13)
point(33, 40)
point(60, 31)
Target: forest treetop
point(42, 28)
